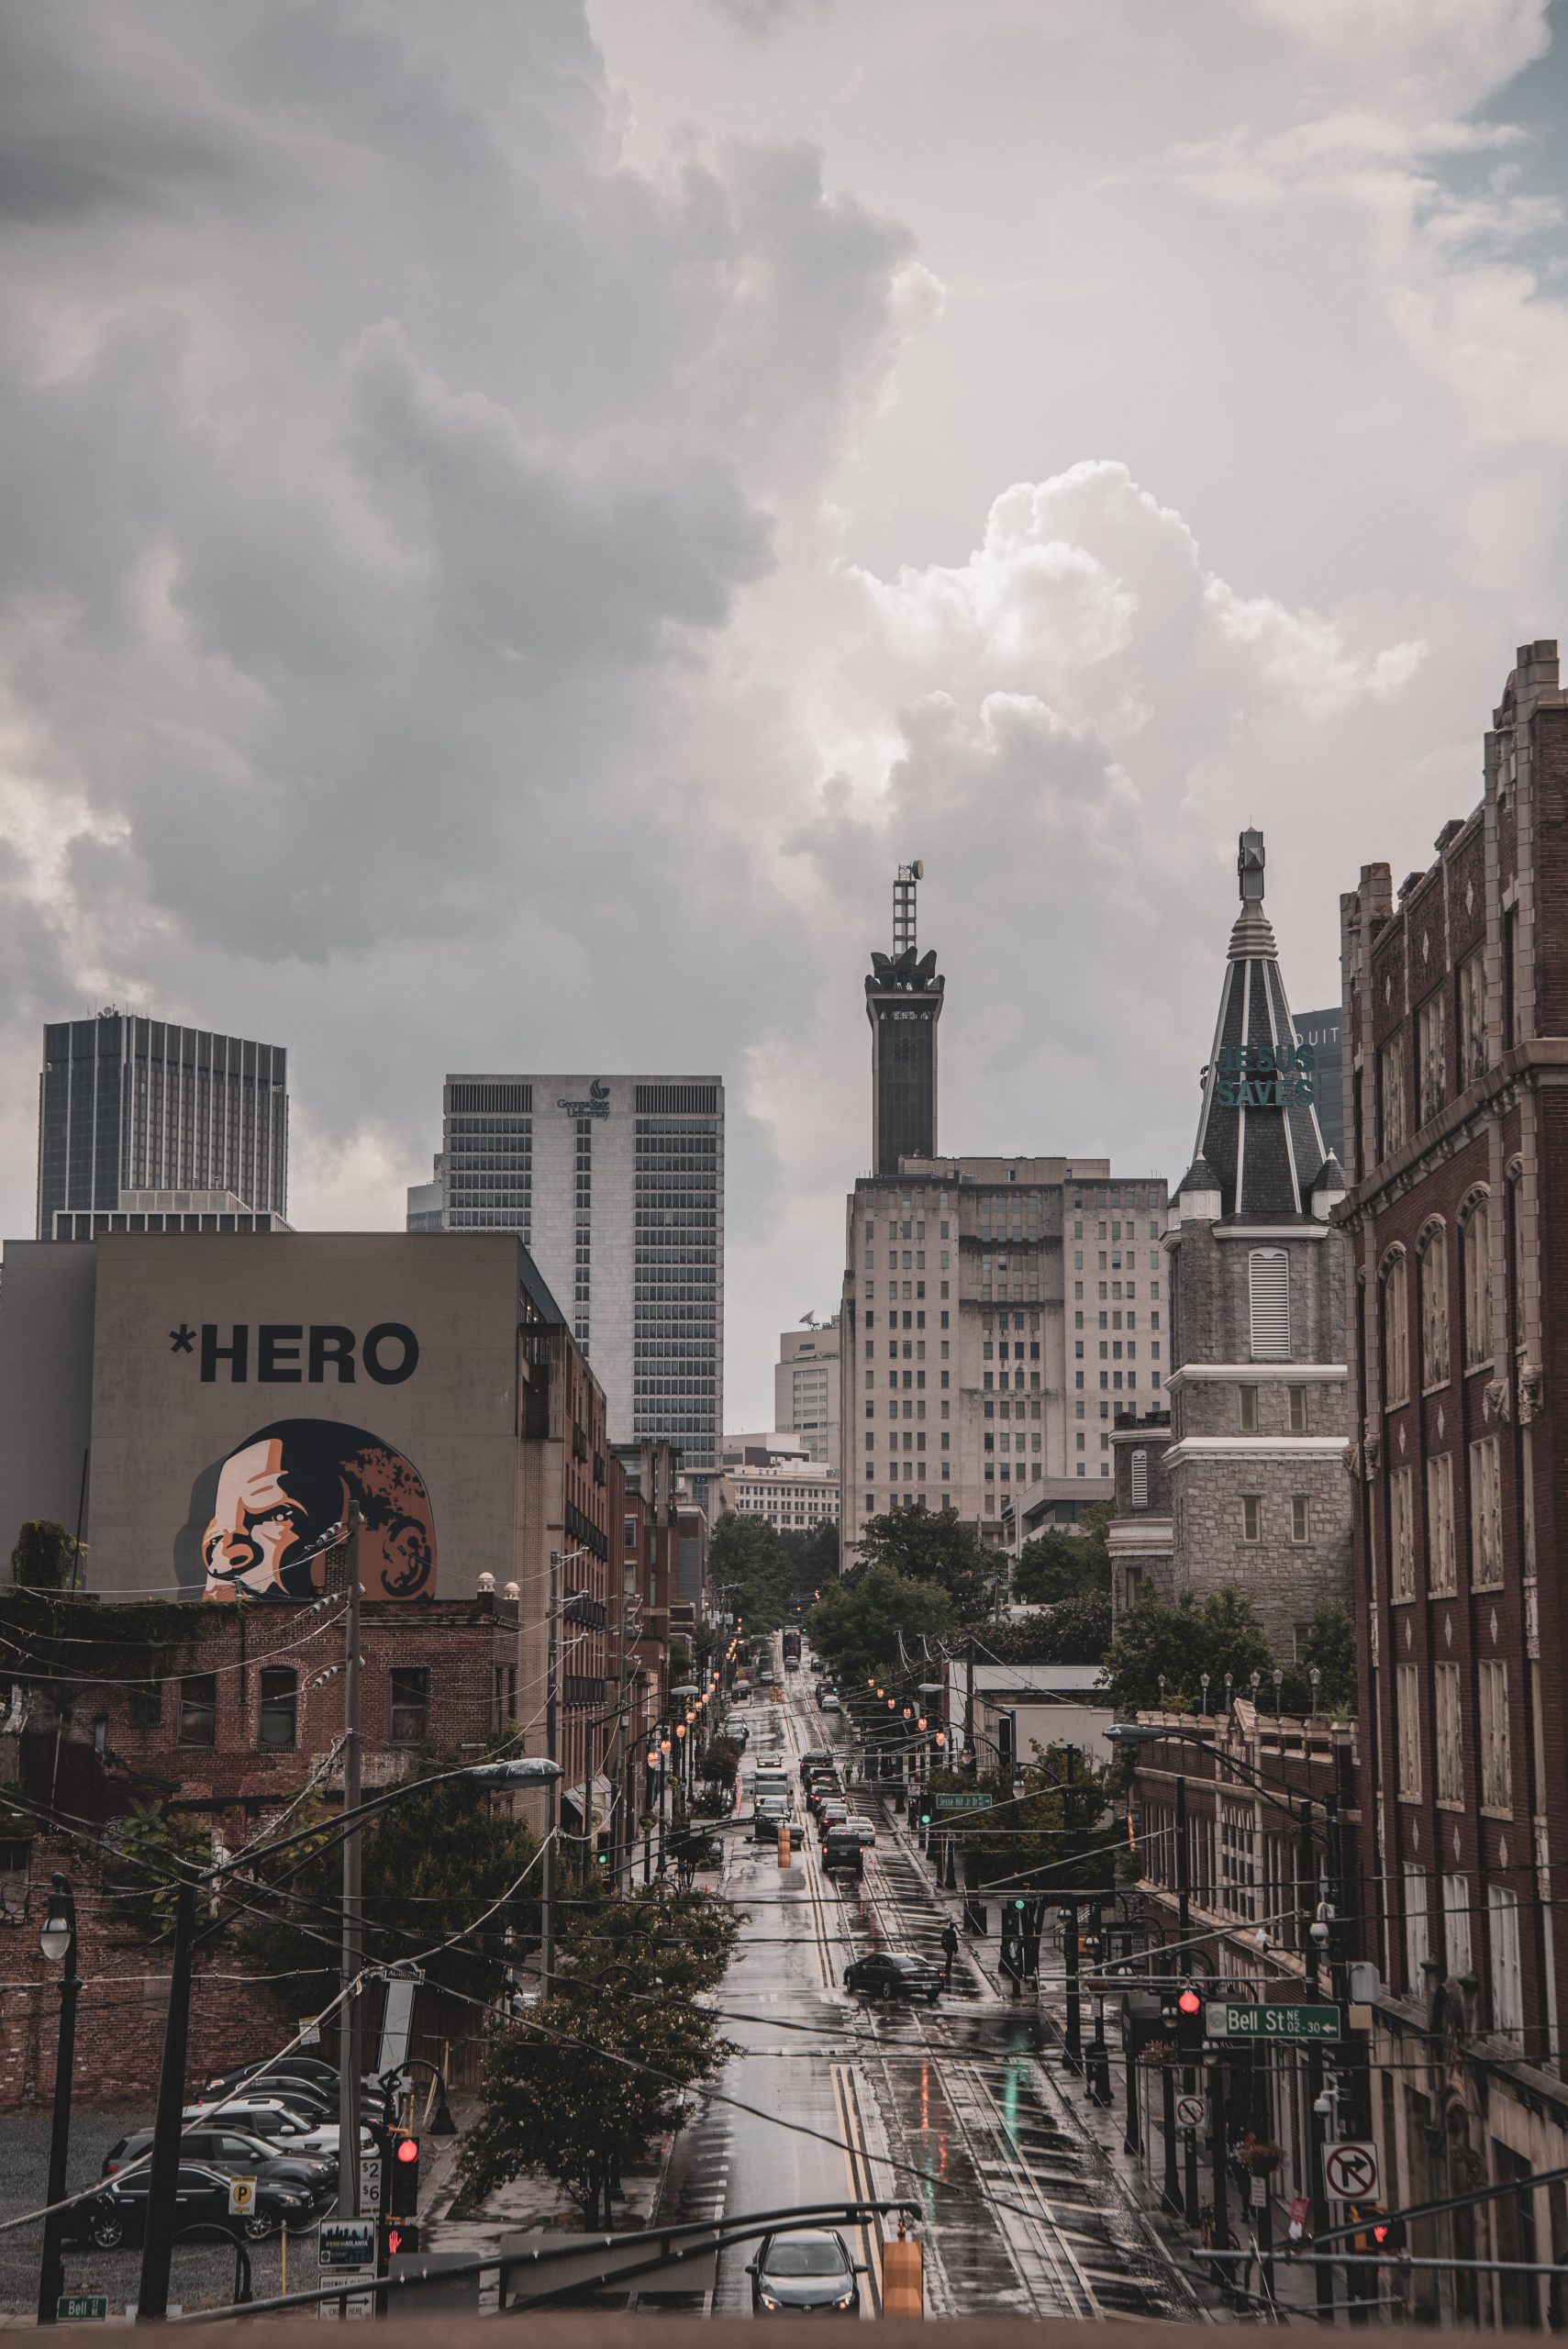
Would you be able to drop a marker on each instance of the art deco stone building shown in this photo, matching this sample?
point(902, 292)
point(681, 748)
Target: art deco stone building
point(1252, 1466)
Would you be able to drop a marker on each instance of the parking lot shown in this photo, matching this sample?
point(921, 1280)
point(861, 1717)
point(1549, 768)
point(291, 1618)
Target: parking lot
point(203, 2275)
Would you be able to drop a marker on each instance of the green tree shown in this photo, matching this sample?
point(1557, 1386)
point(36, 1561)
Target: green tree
point(930, 1546)
point(1330, 1644)
point(748, 1563)
point(813, 1558)
point(1076, 1631)
point(432, 1865)
point(855, 1625)
point(1066, 1565)
point(586, 2083)
point(1059, 1823)
point(1216, 1636)
point(46, 1556)
point(143, 1870)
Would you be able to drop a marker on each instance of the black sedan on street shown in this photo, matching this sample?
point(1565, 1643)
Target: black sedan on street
point(796, 2273)
point(116, 2214)
point(894, 1974)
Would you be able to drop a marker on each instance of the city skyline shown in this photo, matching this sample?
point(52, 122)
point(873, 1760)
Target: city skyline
point(654, 785)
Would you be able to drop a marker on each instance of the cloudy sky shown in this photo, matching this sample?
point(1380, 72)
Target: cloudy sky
point(519, 513)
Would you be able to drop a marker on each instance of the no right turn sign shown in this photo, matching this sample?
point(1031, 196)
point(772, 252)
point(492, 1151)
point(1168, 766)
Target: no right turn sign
point(1349, 2171)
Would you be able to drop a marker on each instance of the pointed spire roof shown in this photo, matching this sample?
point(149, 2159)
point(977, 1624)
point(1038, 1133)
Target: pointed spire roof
point(1258, 1128)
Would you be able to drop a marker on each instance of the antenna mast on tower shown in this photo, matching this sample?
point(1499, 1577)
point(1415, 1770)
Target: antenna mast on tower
point(904, 889)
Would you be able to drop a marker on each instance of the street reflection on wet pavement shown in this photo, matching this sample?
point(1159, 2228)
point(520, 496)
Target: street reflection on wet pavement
point(960, 2108)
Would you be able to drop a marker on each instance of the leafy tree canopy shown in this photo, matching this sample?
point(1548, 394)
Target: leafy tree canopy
point(46, 1555)
point(1076, 1631)
point(588, 2081)
point(748, 1564)
point(930, 1546)
point(1330, 1644)
point(855, 1624)
point(1217, 1635)
point(1066, 1565)
point(430, 1866)
point(813, 1557)
point(1065, 1827)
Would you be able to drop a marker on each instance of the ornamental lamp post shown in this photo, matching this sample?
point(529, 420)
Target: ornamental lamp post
point(57, 1939)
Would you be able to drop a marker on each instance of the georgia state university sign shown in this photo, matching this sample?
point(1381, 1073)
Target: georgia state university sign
point(293, 1354)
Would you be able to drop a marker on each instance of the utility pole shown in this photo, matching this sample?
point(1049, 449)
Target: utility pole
point(350, 2064)
point(971, 1759)
point(1172, 2196)
point(551, 1809)
point(1323, 2273)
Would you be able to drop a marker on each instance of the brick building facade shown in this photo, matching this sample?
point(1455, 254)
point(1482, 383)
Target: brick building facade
point(1456, 1022)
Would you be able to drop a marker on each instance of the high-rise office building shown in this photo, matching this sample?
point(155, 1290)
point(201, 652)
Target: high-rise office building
point(134, 1105)
point(1319, 1032)
point(904, 1002)
point(616, 1186)
point(805, 1390)
point(997, 1313)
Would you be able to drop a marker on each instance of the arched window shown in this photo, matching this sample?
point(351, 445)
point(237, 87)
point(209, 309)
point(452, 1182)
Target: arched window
point(1476, 1253)
point(1269, 1301)
point(1396, 1333)
point(1433, 1288)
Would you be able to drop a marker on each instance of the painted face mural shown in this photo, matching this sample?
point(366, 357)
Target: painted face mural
point(278, 1499)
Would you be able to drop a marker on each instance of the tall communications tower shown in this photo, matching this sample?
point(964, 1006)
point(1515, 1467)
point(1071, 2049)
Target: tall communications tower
point(904, 1002)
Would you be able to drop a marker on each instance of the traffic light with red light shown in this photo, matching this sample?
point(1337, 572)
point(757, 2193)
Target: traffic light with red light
point(1189, 2018)
point(402, 2182)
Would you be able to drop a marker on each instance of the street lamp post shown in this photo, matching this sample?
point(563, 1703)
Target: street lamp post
point(163, 2164)
point(57, 1939)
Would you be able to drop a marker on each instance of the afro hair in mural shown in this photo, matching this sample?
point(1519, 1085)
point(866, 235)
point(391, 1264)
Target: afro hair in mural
point(264, 1519)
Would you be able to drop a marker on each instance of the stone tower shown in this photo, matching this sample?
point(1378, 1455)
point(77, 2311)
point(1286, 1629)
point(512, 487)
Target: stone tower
point(904, 1002)
point(1259, 1394)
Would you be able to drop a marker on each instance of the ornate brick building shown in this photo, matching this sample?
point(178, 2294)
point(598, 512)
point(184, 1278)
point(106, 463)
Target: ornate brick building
point(1247, 1485)
point(1456, 1004)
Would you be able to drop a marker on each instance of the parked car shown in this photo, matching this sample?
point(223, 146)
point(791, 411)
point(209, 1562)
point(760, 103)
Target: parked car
point(116, 2214)
point(304, 2067)
point(894, 1974)
point(281, 2127)
point(237, 2155)
point(304, 2097)
point(809, 2270)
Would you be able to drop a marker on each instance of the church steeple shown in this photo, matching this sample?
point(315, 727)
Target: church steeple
point(1260, 1147)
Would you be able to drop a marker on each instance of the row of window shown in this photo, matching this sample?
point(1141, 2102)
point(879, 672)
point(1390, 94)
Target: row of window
point(1499, 1973)
point(1493, 1724)
point(1432, 1303)
point(277, 1712)
point(1468, 986)
point(1485, 1525)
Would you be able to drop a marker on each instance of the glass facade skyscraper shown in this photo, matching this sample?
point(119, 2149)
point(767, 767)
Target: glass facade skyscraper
point(615, 1185)
point(141, 1106)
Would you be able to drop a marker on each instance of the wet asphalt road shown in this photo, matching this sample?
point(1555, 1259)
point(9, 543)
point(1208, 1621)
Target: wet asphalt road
point(960, 2108)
